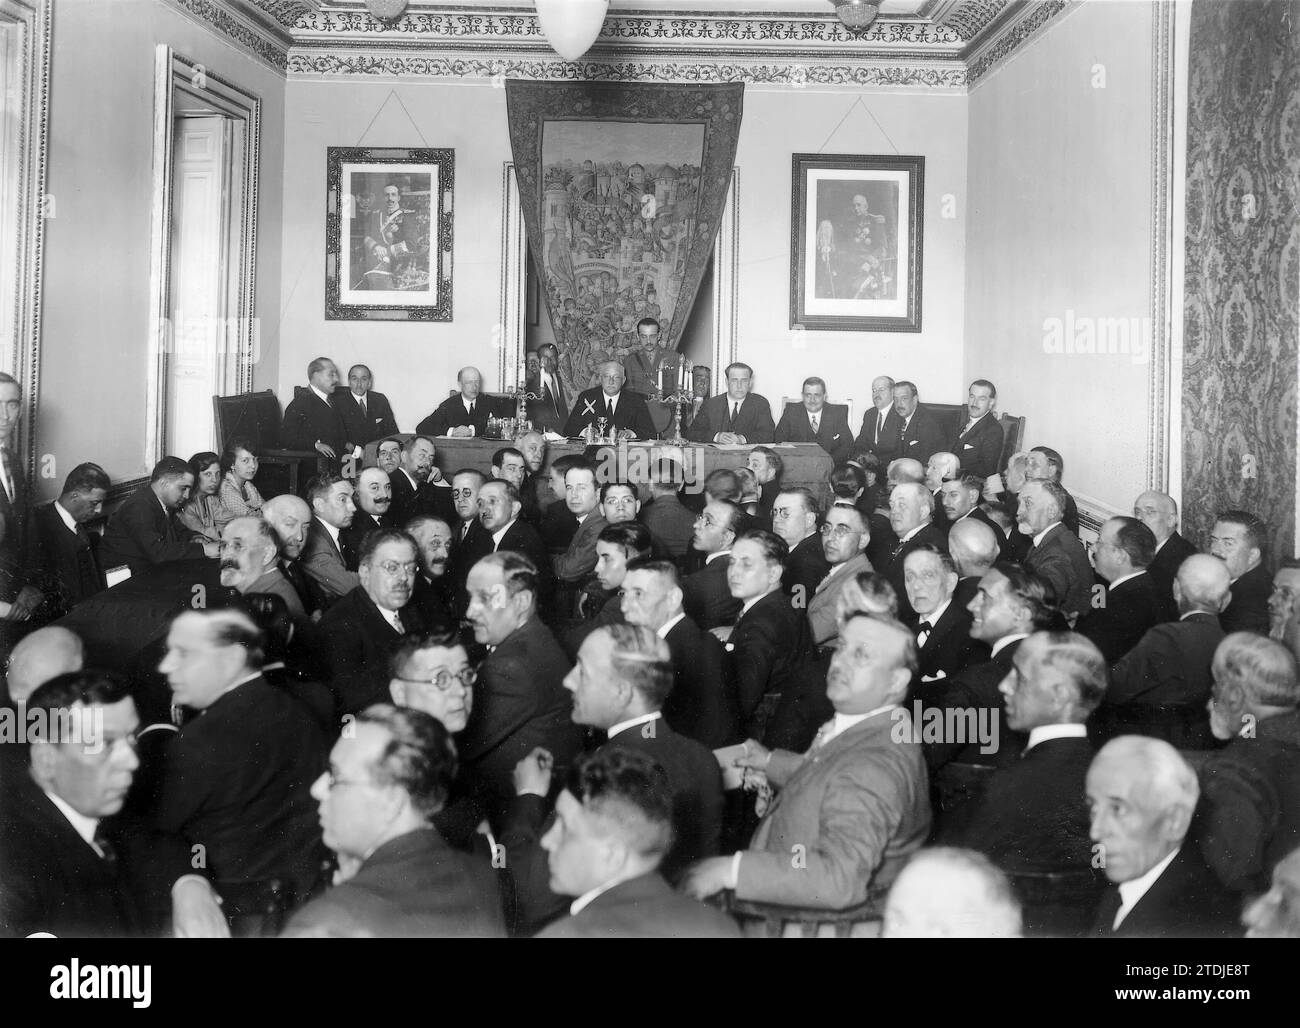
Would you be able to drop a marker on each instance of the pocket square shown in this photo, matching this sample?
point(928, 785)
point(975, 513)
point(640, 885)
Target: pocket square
point(835, 436)
point(913, 442)
point(729, 647)
point(968, 446)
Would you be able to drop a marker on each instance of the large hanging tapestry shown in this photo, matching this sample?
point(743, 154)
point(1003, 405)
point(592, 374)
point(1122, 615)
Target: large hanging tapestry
point(623, 187)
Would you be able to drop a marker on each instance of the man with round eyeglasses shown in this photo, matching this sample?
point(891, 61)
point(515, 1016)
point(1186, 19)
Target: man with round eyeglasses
point(845, 535)
point(363, 627)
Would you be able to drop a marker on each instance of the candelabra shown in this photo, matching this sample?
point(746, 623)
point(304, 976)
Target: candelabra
point(675, 389)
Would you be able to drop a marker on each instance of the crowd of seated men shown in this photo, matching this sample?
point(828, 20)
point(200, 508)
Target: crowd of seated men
point(532, 702)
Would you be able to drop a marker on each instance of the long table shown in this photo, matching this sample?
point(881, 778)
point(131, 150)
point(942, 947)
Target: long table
point(805, 464)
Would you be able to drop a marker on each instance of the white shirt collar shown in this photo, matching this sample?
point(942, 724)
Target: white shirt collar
point(578, 905)
point(65, 517)
point(1038, 539)
point(466, 401)
point(934, 615)
point(83, 825)
point(1162, 542)
point(583, 517)
point(498, 536)
point(393, 617)
point(359, 396)
point(623, 726)
point(333, 532)
point(841, 723)
point(409, 477)
point(1190, 613)
point(1006, 641)
point(714, 556)
point(1044, 732)
point(669, 625)
point(1125, 578)
point(744, 609)
point(319, 393)
point(1132, 891)
point(611, 399)
point(913, 531)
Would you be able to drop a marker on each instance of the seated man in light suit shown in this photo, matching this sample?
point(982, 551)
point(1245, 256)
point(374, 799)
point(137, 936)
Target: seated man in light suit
point(613, 826)
point(327, 559)
point(624, 411)
point(816, 421)
point(736, 416)
point(856, 806)
point(1142, 794)
point(845, 536)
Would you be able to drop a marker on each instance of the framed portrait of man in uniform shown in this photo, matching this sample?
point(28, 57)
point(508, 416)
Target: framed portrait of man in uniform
point(855, 243)
point(388, 234)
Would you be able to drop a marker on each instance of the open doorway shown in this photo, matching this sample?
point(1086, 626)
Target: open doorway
point(206, 141)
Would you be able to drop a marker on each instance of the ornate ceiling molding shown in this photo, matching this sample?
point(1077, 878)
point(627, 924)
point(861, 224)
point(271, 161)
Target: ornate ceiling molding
point(945, 44)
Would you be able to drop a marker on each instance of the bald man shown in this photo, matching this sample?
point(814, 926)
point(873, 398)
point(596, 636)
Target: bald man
point(881, 425)
point(466, 412)
point(290, 517)
point(974, 548)
point(1159, 512)
point(40, 656)
point(1170, 665)
point(1142, 795)
point(949, 893)
point(624, 411)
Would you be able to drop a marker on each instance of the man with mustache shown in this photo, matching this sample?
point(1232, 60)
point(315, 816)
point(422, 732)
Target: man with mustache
point(249, 563)
point(374, 500)
point(363, 627)
point(432, 593)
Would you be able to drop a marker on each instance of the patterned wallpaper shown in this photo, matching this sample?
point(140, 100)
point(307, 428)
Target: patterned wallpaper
point(1243, 266)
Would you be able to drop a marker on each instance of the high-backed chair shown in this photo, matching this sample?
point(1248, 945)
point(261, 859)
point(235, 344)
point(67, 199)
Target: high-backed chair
point(257, 418)
point(952, 416)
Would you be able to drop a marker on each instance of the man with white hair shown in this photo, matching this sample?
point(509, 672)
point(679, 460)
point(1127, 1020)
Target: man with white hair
point(1142, 795)
point(249, 563)
point(290, 518)
point(911, 516)
point(948, 893)
point(464, 413)
point(1159, 512)
point(623, 411)
point(1056, 553)
point(1276, 914)
point(941, 467)
point(974, 548)
point(38, 657)
point(1250, 817)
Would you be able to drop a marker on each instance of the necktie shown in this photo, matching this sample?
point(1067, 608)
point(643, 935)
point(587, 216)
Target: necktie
point(395, 620)
point(471, 408)
point(7, 462)
point(816, 421)
point(735, 412)
point(923, 633)
point(464, 529)
point(106, 850)
point(363, 406)
point(609, 409)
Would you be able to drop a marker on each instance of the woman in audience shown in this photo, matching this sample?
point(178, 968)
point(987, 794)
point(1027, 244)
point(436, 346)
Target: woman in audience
point(202, 514)
point(239, 497)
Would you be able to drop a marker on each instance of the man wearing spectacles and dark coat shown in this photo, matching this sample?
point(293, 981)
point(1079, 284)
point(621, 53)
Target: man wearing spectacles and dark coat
point(364, 626)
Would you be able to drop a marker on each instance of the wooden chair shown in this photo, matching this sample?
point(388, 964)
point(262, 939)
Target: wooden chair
point(847, 403)
point(952, 416)
point(775, 916)
point(257, 418)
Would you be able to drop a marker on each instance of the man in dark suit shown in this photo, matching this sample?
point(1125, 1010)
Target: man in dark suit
point(1032, 815)
point(15, 506)
point(960, 499)
point(1043, 464)
point(736, 416)
point(60, 835)
point(911, 517)
point(974, 549)
point(705, 594)
point(1056, 553)
point(387, 780)
point(313, 422)
point(499, 512)
point(671, 524)
point(374, 499)
point(921, 433)
point(1249, 817)
point(551, 411)
point(328, 562)
point(794, 519)
point(60, 552)
point(1010, 604)
point(361, 630)
point(624, 411)
point(467, 412)
point(143, 531)
point(416, 488)
point(978, 440)
point(816, 421)
point(291, 518)
point(1170, 665)
point(612, 829)
point(942, 627)
point(366, 415)
point(1118, 619)
point(237, 778)
point(582, 498)
point(769, 642)
point(520, 700)
point(1143, 795)
point(881, 425)
point(767, 466)
point(1159, 512)
point(249, 564)
point(432, 594)
point(1238, 540)
point(702, 703)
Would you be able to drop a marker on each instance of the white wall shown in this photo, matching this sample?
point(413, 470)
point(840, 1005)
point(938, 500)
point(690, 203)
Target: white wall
point(415, 364)
point(95, 303)
point(1059, 210)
